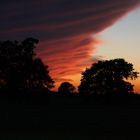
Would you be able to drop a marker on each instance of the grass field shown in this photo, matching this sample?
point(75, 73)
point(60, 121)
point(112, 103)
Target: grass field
point(70, 119)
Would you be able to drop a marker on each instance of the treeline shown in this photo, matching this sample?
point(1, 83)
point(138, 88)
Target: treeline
point(21, 70)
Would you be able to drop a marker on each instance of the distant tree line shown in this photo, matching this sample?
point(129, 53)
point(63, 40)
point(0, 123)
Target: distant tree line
point(21, 69)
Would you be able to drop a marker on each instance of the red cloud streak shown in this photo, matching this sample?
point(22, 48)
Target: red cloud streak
point(66, 29)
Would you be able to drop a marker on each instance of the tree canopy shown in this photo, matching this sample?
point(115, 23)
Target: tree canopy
point(20, 68)
point(108, 77)
point(66, 88)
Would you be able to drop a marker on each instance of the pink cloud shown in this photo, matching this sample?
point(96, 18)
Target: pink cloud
point(66, 29)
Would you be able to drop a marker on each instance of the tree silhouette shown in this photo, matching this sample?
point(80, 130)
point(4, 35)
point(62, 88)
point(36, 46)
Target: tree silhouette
point(66, 88)
point(20, 68)
point(108, 77)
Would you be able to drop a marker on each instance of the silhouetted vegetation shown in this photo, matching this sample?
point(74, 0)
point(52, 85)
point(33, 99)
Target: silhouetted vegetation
point(20, 68)
point(27, 102)
point(66, 89)
point(108, 77)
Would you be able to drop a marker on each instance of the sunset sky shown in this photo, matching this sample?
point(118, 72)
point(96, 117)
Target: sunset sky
point(123, 40)
point(75, 33)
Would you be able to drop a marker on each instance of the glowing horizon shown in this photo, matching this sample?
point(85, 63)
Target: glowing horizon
point(123, 41)
point(101, 52)
point(67, 29)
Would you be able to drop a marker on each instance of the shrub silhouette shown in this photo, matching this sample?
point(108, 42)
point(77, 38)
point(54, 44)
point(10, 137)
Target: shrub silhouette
point(66, 88)
point(20, 68)
point(107, 77)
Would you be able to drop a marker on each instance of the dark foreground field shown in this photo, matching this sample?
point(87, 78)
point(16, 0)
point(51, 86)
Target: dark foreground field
point(69, 118)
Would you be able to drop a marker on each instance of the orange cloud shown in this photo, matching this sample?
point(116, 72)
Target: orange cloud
point(66, 29)
point(68, 57)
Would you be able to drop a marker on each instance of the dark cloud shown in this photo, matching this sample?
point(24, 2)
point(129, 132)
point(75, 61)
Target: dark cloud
point(65, 28)
point(60, 18)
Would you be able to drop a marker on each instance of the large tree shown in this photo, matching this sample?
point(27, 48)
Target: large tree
point(108, 77)
point(20, 68)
